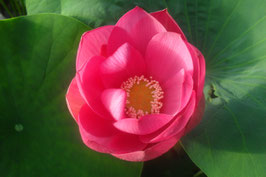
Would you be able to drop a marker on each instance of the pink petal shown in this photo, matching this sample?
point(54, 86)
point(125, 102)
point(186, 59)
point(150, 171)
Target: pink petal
point(199, 70)
point(186, 90)
point(202, 75)
point(196, 66)
point(118, 37)
point(166, 54)
point(177, 92)
point(120, 143)
point(141, 26)
point(150, 153)
point(95, 128)
point(74, 99)
point(99, 134)
point(125, 143)
point(197, 115)
point(173, 93)
point(114, 100)
point(92, 43)
point(91, 86)
point(168, 22)
point(175, 127)
point(92, 144)
point(145, 125)
point(124, 63)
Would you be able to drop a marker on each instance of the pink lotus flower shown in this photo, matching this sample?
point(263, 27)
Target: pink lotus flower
point(138, 86)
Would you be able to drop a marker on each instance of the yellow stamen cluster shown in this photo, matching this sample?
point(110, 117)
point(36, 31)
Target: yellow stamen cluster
point(143, 96)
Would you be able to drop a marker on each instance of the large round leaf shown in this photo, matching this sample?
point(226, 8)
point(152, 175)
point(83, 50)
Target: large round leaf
point(230, 141)
point(38, 137)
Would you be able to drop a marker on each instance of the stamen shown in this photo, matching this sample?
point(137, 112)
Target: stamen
point(143, 96)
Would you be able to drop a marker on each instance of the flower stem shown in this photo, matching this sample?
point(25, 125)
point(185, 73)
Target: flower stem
point(198, 173)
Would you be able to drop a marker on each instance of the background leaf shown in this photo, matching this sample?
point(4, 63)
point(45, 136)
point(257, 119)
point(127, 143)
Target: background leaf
point(92, 12)
point(230, 141)
point(38, 137)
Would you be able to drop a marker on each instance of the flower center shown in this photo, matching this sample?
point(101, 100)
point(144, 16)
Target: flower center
point(143, 96)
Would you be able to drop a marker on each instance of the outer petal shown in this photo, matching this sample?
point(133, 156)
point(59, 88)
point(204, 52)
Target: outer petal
point(91, 86)
point(124, 63)
point(166, 54)
point(145, 125)
point(141, 26)
point(150, 153)
point(199, 70)
point(125, 143)
point(196, 66)
point(201, 74)
point(168, 22)
point(92, 144)
point(175, 127)
point(197, 115)
point(114, 100)
point(74, 99)
point(95, 128)
point(92, 43)
point(99, 134)
point(120, 143)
